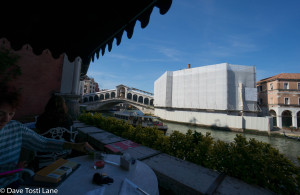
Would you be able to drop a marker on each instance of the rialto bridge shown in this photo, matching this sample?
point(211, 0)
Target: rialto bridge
point(106, 99)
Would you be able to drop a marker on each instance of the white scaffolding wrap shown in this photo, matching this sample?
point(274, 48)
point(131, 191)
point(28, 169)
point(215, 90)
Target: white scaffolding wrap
point(213, 87)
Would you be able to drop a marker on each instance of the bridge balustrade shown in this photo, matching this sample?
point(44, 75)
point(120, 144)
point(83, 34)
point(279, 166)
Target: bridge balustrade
point(106, 95)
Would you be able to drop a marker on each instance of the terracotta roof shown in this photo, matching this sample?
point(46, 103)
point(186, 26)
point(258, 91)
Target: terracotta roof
point(282, 76)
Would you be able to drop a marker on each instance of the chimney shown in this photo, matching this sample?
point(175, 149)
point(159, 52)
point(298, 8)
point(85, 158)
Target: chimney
point(189, 65)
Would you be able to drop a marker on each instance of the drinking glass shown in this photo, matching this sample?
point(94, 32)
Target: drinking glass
point(99, 158)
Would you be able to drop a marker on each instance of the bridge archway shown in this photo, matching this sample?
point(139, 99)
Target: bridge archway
point(129, 96)
point(96, 98)
point(91, 99)
point(121, 92)
point(107, 96)
point(113, 94)
point(101, 97)
point(146, 101)
point(134, 98)
point(151, 102)
point(141, 99)
point(108, 104)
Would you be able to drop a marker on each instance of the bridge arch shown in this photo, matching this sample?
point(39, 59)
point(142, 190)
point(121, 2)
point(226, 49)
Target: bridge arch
point(91, 99)
point(107, 95)
point(109, 103)
point(101, 97)
point(141, 99)
point(129, 96)
point(113, 94)
point(135, 97)
point(121, 92)
point(151, 102)
point(96, 98)
point(146, 101)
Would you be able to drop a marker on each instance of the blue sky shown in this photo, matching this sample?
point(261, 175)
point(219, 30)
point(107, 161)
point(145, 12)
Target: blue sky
point(261, 33)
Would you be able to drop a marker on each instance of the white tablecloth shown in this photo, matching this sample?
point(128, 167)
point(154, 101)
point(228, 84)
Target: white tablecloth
point(80, 182)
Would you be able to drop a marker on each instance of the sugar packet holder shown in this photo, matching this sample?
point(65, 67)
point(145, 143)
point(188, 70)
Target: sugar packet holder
point(127, 162)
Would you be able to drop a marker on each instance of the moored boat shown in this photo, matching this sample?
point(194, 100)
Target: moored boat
point(136, 119)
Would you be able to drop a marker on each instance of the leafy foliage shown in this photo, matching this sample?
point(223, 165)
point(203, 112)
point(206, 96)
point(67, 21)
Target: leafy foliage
point(252, 161)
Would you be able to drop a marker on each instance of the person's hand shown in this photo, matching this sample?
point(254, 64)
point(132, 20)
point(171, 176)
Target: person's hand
point(84, 147)
point(22, 164)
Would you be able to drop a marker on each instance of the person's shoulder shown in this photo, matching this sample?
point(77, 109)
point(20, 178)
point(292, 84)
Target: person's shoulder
point(14, 123)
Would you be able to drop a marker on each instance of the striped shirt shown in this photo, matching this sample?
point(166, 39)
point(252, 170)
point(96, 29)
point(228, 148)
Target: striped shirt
point(15, 135)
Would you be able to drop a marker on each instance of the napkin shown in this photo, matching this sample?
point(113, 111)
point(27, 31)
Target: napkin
point(98, 191)
point(128, 187)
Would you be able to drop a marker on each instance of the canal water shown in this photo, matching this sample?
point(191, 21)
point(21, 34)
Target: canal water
point(288, 147)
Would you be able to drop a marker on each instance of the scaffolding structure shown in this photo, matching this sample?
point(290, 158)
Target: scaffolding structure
point(222, 87)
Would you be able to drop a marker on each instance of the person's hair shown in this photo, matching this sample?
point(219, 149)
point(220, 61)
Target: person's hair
point(56, 104)
point(10, 95)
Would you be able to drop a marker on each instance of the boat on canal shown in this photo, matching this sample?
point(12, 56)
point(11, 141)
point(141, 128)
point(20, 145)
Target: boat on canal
point(135, 119)
point(291, 137)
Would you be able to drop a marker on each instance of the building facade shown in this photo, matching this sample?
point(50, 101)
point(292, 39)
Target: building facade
point(88, 86)
point(279, 97)
point(221, 88)
point(216, 96)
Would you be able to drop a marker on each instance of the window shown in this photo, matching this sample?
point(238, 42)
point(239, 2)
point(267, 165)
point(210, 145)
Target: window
point(286, 85)
point(298, 86)
point(299, 101)
point(287, 101)
point(260, 101)
point(271, 86)
point(259, 88)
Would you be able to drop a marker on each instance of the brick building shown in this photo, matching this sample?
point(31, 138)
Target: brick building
point(279, 97)
point(88, 85)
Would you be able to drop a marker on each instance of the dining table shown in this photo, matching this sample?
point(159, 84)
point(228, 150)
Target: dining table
point(141, 178)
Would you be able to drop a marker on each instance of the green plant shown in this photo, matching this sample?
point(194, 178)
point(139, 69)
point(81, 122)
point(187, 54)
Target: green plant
point(251, 161)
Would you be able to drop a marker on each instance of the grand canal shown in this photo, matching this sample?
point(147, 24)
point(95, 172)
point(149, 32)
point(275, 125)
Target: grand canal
point(288, 147)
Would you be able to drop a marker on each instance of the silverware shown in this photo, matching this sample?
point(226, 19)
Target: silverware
point(110, 162)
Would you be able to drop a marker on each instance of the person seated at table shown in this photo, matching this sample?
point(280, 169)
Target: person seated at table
point(14, 135)
point(55, 115)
